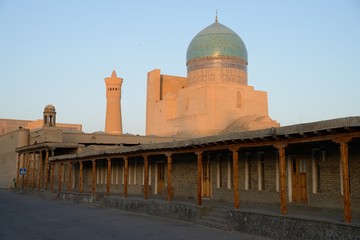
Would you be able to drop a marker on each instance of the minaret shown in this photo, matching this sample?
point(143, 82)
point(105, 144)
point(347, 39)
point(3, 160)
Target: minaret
point(113, 122)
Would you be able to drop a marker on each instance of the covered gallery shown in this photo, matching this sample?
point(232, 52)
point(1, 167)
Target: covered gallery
point(314, 164)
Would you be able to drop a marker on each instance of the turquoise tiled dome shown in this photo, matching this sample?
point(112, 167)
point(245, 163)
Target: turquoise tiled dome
point(216, 40)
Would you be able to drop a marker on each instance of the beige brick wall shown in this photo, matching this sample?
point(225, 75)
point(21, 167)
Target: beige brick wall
point(8, 157)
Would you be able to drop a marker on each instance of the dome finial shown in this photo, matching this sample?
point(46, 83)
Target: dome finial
point(216, 17)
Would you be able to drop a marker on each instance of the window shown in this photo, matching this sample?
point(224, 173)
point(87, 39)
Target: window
point(230, 171)
point(238, 99)
point(115, 172)
point(247, 171)
point(218, 171)
point(98, 174)
point(123, 175)
point(101, 173)
point(134, 182)
point(62, 172)
point(317, 157)
point(261, 171)
point(129, 177)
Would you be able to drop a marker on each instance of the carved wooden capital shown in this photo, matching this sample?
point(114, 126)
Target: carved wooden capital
point(280, 145)
point(198, 153)
point(341, 140)
point(234, 148)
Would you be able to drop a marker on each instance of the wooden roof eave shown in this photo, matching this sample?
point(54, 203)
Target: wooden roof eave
point(266, 137)
point(45, 146)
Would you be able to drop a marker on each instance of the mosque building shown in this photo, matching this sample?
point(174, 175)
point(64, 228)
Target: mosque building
point(214, 98)
point(209, 137)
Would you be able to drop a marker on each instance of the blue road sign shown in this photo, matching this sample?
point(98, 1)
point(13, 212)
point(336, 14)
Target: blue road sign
point(22, 171)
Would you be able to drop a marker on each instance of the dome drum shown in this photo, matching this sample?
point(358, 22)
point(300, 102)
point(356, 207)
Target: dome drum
point(217, 62)
point(217, 75)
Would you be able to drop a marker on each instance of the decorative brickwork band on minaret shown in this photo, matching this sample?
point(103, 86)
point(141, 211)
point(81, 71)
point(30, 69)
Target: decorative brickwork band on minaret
point(113, 122)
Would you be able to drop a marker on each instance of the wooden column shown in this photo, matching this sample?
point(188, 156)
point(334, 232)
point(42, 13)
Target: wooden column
point(28, 170)
point(108, 176)
point(283, 206)
point(93, 189)
point(60, 175)
point(81, 177)
point(199, 177)
point(23, 165)
point(52, 175)
point(235, 154)
point(126, 176)
point(18, 170)
point(344, 155)
point(69, 170)
point(46, 169)
point(146, 177)
point(169, 170)
point(33, 171)
point(346, 181)
point(40, 172)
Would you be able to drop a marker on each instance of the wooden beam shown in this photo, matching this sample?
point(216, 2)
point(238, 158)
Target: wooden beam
point(81, 176)
point(146, 176)
point(235, 154)
point(46, 169)
point(40, 172)
point(69, 170)
point(60, 175)
point(282, 169)
point(199, 177)
point(126, 176)
point(108, 182)
point(93, 188)
point(169, 171)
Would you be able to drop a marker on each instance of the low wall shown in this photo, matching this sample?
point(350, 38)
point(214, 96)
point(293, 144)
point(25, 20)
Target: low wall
point(178, 211)
point(286, 227)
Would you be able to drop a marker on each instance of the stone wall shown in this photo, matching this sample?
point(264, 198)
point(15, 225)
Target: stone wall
point(279, 227)
point(178, 211)
point(185, 176)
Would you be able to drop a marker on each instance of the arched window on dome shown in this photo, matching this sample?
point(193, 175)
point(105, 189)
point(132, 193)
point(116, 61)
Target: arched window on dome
point(238, 99)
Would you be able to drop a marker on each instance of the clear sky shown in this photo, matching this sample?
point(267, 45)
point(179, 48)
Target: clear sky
point(305, 54)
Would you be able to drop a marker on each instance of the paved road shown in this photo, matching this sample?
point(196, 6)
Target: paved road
point(26, 217)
